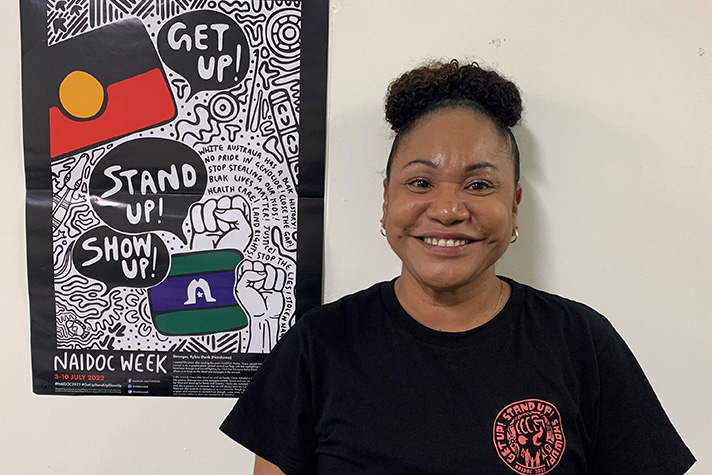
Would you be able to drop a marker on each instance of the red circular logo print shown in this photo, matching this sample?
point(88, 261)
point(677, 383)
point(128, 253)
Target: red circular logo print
point(528, 436)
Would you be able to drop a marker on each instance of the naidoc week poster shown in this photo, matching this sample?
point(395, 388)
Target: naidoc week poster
point(174, 154)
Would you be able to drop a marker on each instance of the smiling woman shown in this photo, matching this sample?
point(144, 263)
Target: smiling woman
point(449, 212)
point(450, 368)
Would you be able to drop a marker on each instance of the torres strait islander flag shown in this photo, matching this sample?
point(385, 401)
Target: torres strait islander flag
point(198, 296)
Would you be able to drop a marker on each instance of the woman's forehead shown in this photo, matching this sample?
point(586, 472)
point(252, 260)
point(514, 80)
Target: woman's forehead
point(452, 136)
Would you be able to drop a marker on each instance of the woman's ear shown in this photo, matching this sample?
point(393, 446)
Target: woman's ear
point(385, 200)
point(517, 200)
point(515, 205)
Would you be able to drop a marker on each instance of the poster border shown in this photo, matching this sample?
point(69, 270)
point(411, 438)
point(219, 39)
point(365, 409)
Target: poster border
point(39, 195)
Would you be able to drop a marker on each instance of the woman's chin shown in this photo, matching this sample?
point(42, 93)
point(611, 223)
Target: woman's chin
point(444, 281)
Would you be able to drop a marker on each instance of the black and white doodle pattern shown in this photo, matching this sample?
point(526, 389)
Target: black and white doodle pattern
point(247, 138)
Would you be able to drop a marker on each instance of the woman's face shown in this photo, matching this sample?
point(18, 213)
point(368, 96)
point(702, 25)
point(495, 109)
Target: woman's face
point(450, 204)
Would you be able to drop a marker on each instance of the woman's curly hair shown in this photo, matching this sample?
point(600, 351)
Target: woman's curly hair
point(440, 85)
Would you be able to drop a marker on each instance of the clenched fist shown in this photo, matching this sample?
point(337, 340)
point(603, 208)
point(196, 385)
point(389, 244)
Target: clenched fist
point(259, 289)
point(220, 224)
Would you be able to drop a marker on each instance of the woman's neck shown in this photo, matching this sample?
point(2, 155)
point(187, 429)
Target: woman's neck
point(452, 310)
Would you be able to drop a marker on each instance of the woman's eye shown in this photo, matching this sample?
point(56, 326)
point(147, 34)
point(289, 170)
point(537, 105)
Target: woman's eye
point(479, 186)
point(419, 183)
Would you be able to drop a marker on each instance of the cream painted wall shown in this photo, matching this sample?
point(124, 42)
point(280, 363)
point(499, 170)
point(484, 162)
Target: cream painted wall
point(616, 149)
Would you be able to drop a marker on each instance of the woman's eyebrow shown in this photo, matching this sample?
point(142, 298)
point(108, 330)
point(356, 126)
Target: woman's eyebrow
point(478, 165)
point(428, 163)
point(468, 168)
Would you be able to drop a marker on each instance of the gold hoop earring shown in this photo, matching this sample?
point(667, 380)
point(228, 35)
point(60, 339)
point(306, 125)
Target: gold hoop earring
point(383, 230)
point(515, 236)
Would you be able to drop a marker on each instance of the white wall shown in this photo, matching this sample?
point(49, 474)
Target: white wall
point(617, 159)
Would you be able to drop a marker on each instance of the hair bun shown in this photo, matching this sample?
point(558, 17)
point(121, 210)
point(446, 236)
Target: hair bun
point(417, 91)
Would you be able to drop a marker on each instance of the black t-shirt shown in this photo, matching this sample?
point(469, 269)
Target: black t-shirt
point(547, 386)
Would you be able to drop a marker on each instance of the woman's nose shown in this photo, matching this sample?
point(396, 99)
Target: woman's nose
point(447, 206)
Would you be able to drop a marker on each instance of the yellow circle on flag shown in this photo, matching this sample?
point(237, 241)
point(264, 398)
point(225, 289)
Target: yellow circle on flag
point(81, 94)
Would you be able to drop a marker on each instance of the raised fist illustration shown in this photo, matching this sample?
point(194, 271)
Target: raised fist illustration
point(259, 289)
point(530, 429)
point(220, 224)
point(526, 436)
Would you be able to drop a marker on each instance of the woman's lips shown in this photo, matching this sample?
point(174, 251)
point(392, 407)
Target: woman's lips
point(444, 242)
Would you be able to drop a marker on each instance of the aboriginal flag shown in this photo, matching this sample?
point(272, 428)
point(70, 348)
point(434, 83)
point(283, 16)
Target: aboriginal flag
point(109, 83)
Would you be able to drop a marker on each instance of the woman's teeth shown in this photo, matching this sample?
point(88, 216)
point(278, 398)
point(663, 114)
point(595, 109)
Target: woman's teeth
point(445, 242)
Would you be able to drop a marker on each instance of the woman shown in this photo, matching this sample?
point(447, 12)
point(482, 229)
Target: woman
point(450, 368)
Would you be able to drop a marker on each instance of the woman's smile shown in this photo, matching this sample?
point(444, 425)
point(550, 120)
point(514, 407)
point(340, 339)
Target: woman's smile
point(443, 242)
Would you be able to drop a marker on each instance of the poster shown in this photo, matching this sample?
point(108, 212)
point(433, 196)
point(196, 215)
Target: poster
point(174, 154)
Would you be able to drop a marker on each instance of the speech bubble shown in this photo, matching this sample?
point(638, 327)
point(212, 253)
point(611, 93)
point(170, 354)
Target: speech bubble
point(147, 185)
point(121, 260)
point(207, 48)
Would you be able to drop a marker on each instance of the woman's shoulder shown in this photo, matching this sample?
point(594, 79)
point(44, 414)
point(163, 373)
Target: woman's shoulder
point(350, 313)
point(551, 309)
point(365, 298)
